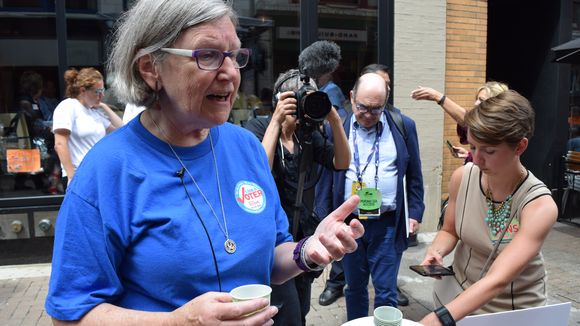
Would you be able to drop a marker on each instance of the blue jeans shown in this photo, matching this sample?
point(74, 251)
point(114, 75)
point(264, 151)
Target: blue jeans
point(375, 256)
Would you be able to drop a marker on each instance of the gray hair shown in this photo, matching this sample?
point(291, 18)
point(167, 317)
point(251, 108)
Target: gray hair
point(149, 26)
point(290, 81)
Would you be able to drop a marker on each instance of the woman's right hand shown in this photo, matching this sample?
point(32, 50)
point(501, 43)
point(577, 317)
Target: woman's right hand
point(286, 106)
point(214, 308)
point(461, 152)
point(426, 93)
point(432, 257)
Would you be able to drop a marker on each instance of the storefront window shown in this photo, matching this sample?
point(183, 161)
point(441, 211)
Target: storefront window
point(276, 47)
point(576, 15)
point(574, 115)
point(356, 34)
point(29, 168)
point(351, 24)
point(47, 5)
point(22, 4)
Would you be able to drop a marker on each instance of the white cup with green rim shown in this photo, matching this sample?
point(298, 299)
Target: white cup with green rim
point(387, 316)
point(250, 292)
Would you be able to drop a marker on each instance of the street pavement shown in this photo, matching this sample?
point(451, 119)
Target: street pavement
point(24, 287)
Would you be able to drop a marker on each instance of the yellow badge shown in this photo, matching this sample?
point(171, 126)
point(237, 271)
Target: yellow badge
point(356, 187)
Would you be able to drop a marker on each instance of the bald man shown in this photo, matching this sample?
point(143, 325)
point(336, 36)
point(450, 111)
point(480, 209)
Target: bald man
point(381, 156)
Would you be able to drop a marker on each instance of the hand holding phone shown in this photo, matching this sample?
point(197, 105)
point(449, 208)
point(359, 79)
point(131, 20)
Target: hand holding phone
point(432, 270)
point(451, 149)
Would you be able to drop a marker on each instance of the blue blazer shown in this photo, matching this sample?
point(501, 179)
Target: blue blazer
point(330, 195)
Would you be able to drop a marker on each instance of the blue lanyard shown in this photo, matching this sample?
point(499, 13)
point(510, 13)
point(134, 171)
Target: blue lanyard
point(375, 151)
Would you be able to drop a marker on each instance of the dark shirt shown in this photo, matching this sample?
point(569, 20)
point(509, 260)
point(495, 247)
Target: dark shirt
point(462, 134)
point(286, 173)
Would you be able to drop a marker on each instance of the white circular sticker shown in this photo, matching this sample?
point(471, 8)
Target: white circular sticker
point(250, 197)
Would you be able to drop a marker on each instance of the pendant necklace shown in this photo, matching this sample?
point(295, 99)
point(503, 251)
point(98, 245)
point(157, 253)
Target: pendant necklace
point(229, 245)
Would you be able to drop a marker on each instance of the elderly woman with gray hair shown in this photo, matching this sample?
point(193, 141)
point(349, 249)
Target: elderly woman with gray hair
point(177, 207)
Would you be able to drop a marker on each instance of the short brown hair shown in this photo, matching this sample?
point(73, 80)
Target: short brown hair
point(86, 78)
point(505, 118)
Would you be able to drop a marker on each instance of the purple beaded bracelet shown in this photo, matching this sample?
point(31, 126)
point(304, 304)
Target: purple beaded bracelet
point(300, 260)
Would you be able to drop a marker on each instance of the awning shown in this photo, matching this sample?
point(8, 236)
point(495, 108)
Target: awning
point(568, 52)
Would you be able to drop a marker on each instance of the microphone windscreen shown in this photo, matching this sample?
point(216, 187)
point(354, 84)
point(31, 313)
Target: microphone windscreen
point(319, 58)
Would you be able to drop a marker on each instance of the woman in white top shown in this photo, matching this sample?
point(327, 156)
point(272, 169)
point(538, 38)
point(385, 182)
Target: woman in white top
point(82, 119)
point(131, 111)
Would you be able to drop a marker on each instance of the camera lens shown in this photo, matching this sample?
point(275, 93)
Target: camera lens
point(316, 105)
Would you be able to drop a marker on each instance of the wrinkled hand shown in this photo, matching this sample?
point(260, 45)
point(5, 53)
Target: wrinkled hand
point(215, 308)
point(426, 93)
point(286, 106)
point(333, 238)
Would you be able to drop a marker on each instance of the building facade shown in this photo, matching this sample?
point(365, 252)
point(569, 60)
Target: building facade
point(450, 45)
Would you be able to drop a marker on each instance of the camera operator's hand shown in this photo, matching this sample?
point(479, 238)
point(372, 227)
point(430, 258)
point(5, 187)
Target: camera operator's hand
point(341, 149)
point(333, 117)
point(286, 106)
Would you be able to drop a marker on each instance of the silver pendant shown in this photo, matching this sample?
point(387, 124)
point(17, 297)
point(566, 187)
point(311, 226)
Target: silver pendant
point(230, 246)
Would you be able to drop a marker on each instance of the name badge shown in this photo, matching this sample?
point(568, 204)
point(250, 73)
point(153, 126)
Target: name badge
point(370, 203)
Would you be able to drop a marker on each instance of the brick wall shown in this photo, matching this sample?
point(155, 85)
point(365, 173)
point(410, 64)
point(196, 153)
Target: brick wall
point(465, 67)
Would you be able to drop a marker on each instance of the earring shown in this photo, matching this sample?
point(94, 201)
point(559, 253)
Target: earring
point(156, 95)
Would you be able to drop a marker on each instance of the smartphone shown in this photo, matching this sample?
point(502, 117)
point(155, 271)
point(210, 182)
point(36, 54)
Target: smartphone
point(451, 149)
point(432, 270)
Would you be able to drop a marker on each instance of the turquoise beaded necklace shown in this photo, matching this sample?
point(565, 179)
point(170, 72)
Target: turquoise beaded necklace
point(498, 215)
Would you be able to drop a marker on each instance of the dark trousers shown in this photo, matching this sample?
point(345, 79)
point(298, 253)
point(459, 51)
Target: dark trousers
point(293, 300)
point(336, 277)
point(375, 257)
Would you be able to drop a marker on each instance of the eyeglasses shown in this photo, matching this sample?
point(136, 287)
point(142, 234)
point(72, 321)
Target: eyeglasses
point(364, 109)
point(212, 59)
point(100, 91)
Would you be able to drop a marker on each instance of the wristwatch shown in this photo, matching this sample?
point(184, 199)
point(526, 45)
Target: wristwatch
point(444, 316)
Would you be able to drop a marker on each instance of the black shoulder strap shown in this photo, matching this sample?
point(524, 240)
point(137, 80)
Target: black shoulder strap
point(398, 119)
point(14, 121)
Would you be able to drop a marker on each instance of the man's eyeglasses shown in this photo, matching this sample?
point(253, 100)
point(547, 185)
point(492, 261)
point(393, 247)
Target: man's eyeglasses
point(100, 91)
point(364, 109)
point(212, 59)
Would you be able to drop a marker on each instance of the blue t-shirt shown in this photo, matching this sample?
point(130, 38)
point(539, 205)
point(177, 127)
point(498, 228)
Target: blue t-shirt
point(128, 235)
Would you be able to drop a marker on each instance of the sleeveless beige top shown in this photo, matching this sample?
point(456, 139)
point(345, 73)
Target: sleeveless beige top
point(475, 242)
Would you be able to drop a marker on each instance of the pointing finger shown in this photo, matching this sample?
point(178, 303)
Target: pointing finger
point(344, 210)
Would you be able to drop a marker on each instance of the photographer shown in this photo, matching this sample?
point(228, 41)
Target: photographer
point(283, 137)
